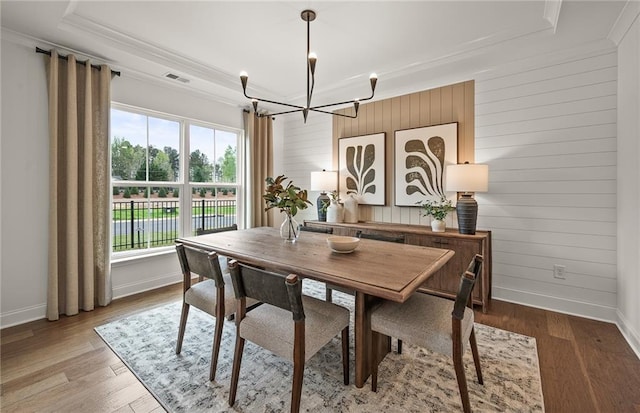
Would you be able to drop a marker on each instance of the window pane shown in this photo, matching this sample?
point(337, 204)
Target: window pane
point(213, 207)
point(202, 148)
point(128, 143)
point(226, 146)
point(164, 144)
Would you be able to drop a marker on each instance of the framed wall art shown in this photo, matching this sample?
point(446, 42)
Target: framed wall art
point(421, 155)
point(361, 168)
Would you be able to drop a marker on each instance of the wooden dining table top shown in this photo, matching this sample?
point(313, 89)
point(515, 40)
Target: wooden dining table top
point(382, 269)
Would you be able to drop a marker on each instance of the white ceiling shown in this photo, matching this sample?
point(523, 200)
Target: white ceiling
point(407, 44)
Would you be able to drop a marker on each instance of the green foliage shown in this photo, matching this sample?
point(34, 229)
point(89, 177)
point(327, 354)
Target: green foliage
point(288, 199)
point(146, 193)
point(176, 193)
point(127, 193)
point(200, 169)
point(227, 168)
point(134, 190)
point(126, 159)
point(162, 193)
point(203, 193)
point(116, 190)
point(193, 191)
point(436, 209)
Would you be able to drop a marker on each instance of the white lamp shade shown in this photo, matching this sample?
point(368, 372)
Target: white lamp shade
point(324, 180)
point(467, 178)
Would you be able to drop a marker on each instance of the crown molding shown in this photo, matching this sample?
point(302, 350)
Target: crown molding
point(83, 26)
point(625, 20)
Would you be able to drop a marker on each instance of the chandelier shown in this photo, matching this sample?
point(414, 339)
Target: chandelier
point(308, 16)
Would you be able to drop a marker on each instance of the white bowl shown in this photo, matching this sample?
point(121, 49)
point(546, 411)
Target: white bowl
point(343, 245)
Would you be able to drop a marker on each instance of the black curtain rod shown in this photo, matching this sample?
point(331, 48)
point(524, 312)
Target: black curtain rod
point(259, 115)
point(47, 52)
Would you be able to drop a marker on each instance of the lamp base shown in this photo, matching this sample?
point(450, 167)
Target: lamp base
point(467, 211)
point(320, 204)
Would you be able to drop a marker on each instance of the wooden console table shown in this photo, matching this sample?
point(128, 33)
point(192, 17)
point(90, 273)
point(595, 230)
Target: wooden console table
point(446, 281)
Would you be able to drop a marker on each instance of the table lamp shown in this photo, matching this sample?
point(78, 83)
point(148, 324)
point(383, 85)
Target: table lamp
point(467, 178)
point(323, 181)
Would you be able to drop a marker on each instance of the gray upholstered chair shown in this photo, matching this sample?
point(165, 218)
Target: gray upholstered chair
point(289, 324)
point(315, 229)
point(435, 323)
point(209, 295)
point(202, 231)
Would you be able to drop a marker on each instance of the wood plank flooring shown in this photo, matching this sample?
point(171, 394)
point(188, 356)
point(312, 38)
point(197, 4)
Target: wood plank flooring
point(63, 366)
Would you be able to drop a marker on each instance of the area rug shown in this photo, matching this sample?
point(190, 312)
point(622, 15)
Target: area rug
point(414, 381)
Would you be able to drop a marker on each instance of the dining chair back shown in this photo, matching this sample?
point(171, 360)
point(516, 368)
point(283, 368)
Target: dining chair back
point(208, 295)
point(435, 323)
point(202, 231)
point(318, 230)
point(291, 325)
point(379, 237)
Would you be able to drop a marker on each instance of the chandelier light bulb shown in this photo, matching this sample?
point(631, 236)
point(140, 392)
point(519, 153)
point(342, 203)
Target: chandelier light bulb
point(244, 74)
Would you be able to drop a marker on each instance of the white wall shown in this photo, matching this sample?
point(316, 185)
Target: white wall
point(24, 151)
point(304, 148)
point(547, 129)
point(629, 185)
point(25, 194)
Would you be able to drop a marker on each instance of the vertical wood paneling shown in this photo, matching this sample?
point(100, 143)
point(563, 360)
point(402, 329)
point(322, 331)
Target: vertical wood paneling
point(452, 103)
point(554, 144)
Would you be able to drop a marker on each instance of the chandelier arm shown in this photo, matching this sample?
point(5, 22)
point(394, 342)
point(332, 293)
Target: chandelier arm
point(276, 103)
point(285, 112)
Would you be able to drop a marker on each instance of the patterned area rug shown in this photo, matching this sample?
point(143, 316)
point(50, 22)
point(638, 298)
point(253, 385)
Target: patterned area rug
point(415, 381)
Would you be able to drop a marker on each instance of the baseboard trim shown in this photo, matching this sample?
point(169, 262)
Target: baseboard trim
point(23, 315)
point(560, 305)
point(126, 290)
point(632, 336)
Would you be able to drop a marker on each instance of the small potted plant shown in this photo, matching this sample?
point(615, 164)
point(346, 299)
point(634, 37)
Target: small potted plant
point(289, 199)
point(438, 210)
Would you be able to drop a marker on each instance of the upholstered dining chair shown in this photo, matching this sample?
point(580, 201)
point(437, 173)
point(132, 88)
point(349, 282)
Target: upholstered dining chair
point(438, 324)
point(202, 231)
point(318, 230)
point(289, 324)
point(209, 295)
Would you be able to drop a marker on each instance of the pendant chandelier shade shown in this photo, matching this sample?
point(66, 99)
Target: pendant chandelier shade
point(311, 58)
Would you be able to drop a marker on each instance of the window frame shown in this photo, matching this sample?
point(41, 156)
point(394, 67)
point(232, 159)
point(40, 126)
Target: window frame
point(185, 220)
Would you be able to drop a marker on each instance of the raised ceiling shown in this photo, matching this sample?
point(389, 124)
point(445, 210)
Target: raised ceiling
point(407, 44)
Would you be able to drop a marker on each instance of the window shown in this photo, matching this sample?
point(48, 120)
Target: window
point(159, 194)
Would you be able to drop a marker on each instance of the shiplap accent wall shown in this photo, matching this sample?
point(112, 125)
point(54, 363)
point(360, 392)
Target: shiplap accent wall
point(548, 133)
point(305, 148)
point(452, 103)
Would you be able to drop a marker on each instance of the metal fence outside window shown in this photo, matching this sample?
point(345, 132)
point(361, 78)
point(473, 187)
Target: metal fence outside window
point(138, 223)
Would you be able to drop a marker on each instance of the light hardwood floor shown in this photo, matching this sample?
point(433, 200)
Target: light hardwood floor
point(63, 366)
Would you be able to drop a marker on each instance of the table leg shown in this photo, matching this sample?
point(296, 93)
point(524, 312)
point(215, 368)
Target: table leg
point(364, 348)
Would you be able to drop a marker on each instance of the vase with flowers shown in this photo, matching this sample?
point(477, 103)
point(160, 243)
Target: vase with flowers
point(289, 199)
point(438, 210)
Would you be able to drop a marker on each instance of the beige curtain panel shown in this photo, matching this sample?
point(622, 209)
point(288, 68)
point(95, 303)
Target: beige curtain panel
point(79, 104)
point(259, 131)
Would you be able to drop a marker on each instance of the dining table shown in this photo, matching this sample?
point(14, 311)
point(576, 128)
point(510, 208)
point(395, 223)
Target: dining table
point(375, 271)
